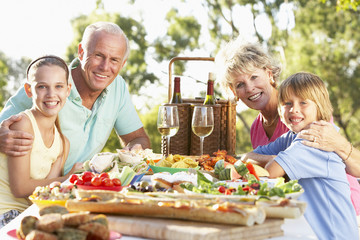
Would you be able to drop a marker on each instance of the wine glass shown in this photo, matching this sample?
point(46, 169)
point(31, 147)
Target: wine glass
point(168, 123)
point(202, 123)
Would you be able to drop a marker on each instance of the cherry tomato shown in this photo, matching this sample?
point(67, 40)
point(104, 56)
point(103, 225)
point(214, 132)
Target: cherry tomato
point(221, 189)
point(79, 182)
point(87, 176)
point(96, 181)
point(107, 182)
point(229, 191)
point(116, 181)
point(73, 178)
point(104, 175)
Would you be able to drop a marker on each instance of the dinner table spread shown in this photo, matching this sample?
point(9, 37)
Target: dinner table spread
point(293, 228)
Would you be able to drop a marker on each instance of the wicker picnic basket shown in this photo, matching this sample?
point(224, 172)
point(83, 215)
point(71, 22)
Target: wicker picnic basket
point(185, 142)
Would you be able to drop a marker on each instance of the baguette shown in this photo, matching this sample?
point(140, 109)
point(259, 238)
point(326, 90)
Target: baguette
point(241, 216)
point(283, 208)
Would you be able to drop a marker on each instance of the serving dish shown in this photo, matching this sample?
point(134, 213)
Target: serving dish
point(157, 169)
point(43, 203)
point(89, 187)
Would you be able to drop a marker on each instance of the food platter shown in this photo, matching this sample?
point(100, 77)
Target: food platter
point(43, 203)
point(294, 195)
point(157, 169)
point(89, 187)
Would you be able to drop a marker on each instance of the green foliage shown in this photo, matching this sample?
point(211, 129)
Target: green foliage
point(150, 124)
point(11, 71)
point(345, 4)
point(135, 71)
point(325, 42)
point(183, 33)
point(149, 121)
point(3, 74)
point(243, 141)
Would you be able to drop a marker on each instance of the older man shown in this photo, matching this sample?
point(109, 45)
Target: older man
point(99, 100)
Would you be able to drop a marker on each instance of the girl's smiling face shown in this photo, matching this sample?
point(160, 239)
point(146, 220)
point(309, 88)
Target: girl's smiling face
point(49, 89)
point(298, 113)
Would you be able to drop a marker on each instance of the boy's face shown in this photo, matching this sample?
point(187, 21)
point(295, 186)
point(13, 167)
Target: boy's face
point(298, 113)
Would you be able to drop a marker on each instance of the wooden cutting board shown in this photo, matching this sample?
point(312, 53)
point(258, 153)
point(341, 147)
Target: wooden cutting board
point(155, 228)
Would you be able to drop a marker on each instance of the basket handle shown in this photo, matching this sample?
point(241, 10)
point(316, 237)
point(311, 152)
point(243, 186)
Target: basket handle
point(187, 59)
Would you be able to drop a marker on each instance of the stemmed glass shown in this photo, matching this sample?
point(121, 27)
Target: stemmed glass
point(202, 123)
point(168, 123)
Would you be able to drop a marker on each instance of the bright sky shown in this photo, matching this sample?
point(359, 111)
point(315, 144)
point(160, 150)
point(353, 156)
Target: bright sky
point(35, 27)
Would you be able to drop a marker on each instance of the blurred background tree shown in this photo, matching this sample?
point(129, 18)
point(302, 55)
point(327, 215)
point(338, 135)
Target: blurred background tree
point(318, 36)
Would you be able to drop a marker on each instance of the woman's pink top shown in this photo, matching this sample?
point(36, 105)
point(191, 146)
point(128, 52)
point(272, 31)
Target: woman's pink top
point(258, 134)
point(259, 138)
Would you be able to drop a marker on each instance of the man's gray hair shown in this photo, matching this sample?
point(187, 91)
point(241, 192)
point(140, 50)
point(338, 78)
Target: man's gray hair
point(108, 27)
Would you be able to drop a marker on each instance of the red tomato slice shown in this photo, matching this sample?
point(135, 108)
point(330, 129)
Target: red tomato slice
point(73, 178)
point(221, 189)
point(107, 182)
point(96, 181)
point(251, 169)
point(104, 175)
point(116, 181)
point(79, 182)
point(87, 176)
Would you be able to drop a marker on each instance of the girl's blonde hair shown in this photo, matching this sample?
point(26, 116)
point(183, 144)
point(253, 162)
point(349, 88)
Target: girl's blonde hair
point(307, 86)
point(243, 58)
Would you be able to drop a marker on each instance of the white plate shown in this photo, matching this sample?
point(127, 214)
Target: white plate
point(237, 183)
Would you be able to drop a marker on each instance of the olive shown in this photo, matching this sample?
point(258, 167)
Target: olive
point(170, 190)
point(157, 185)
point(144, 184)
point(161, 189)
point(149, 188)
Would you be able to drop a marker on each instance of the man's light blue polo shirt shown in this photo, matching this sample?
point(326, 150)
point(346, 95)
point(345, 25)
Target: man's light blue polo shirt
point(87, 130)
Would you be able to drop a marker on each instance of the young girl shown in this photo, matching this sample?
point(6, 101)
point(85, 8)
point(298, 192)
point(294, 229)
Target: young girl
point(303, 98)
point(48, 86)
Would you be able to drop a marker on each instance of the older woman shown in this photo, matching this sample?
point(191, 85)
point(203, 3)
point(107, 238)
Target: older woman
point(251, 74)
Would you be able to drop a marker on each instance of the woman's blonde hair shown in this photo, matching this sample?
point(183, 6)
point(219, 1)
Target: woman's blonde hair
point(307, 86)
point(242, 58)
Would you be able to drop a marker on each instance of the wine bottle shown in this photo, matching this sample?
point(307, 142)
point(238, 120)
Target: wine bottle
point(210, 99)
point(176, 98)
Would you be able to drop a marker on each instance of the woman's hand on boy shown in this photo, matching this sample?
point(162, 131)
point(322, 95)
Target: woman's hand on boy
point(322, 135)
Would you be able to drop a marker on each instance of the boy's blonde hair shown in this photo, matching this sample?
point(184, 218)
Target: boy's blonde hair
point(307, 86)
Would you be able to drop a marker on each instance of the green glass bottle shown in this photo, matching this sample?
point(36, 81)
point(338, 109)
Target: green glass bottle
point(176, 97)
point(210, 99)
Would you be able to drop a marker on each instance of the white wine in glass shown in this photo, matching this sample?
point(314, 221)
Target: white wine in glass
point(202, 123)
point(168, 123)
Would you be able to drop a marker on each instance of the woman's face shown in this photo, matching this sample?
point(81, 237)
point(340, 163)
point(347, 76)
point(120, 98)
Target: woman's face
point(255, 89)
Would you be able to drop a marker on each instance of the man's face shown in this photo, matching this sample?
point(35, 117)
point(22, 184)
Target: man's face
point(102, 60)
